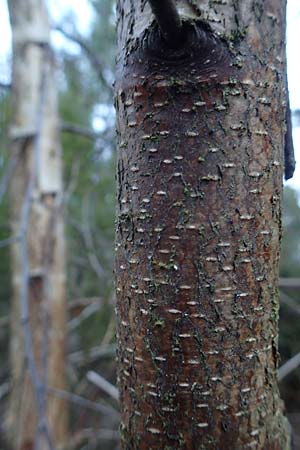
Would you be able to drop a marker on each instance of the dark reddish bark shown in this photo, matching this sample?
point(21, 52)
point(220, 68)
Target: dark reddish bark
point(200, 165)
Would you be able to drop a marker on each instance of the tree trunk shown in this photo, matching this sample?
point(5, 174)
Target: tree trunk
point(38, 255)
point(201, 132)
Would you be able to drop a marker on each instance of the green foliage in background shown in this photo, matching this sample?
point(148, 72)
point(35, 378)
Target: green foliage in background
point(89, 166)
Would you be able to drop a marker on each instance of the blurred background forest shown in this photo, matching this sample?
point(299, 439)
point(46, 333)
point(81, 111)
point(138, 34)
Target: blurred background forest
point(85, 74)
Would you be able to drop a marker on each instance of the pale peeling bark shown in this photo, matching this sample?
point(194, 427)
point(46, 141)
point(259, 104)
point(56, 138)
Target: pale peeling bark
point(200, 166)
point(35, 139)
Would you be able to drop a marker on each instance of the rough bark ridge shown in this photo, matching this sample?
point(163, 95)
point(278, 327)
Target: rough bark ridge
point(201, 133)
point(38, 257)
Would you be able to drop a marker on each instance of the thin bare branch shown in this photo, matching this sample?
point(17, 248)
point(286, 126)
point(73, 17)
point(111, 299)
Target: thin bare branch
point(88, 239)
point(67, 127)
point(5, 86)
point(82, 358)
point(87, 312)
point(103, 384)
point(72, 182)
point(9, 241)
point(289, 283)
point(92, 56)
point(4, 389)
point(288, 301)
point(289, 367)
point(83, 303)
point(88, 306)
point(110, 331)
point(12, 164)
point(4, 321)
point(289, 151)
point(94, 436)
point(79, 227)
point(84, 402)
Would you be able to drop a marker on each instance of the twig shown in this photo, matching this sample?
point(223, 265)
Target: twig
point(288, 367)
point(87, 312)
point(81, 303)
point(79, 227)
point(288, 301)
point(169, 22)
point(95, 435)
point(103, 384)
point(88, 306)
point(110, 331)
point(5, 86)
point(4, 321)
point(88, 239)
point(4, 389)
point(12, 164)
point(9, 241)
point(81, 401)
point(289, 283)
point(81, 358)
point(289, 153)
point(93, 57)
point(67, 127)
point(72, 182)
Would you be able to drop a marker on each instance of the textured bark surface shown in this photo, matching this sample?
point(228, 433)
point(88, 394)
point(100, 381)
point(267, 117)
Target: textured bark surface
point(201, 134)
point(35, 144)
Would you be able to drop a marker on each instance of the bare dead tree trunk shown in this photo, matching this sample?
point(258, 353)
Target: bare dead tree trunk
point(38, 321)
point(201, 133)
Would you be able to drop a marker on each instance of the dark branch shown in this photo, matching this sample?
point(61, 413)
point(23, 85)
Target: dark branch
point(9, 241)
point(67, 127)
point(92, 56)
point(290, 303)
point(289, 155)
point(5, 86)
point(82, 358)
point(288, 367)
point(103, 384)
point(7, 176)
point(289, 283)
point(84, 402)
point(169, 22)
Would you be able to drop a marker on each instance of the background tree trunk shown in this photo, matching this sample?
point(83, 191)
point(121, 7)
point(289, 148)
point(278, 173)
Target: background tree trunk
point(38, 256)
point(201, 133)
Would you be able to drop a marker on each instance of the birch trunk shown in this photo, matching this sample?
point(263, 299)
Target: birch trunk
point(38, 257)
point(200, 165)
